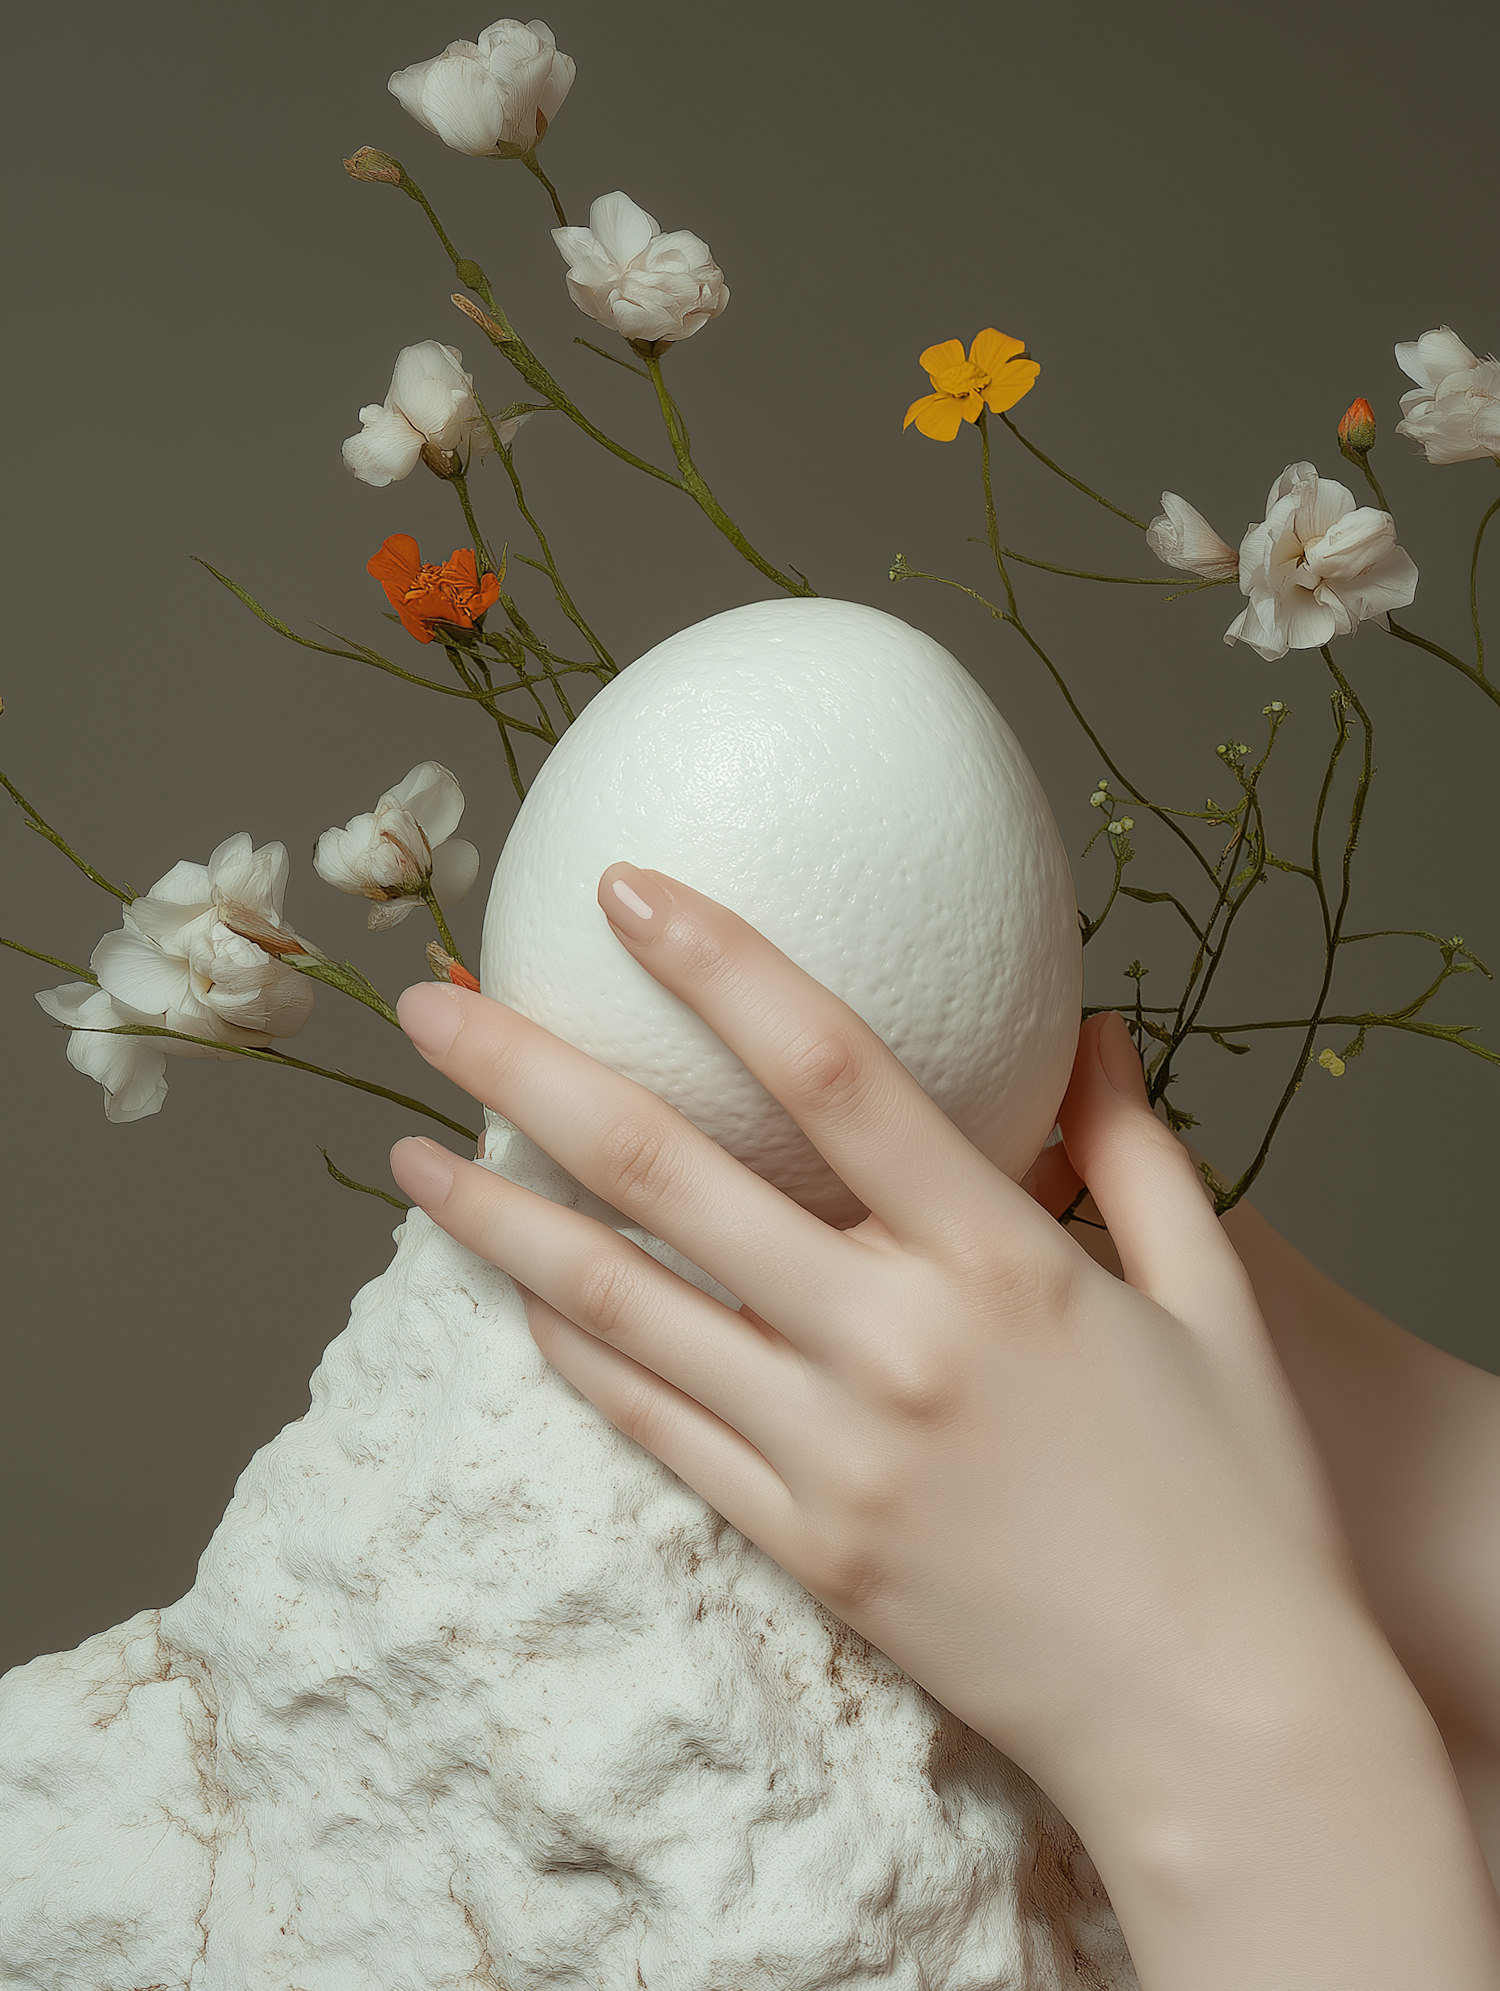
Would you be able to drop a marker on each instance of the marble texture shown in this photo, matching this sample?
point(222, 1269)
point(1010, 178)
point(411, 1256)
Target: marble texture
point(472, 1693)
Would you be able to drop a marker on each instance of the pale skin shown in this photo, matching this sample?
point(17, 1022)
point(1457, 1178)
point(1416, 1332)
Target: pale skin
point(1197, 1539)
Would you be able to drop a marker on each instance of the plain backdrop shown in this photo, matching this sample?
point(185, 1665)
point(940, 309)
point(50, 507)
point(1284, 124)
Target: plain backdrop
point(1210, 225)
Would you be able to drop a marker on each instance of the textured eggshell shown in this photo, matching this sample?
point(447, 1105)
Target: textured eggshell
point(836, 778)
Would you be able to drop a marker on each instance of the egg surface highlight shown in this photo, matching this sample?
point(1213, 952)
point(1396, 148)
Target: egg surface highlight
point(837, 779)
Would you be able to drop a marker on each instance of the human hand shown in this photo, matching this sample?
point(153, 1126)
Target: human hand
point(1410, 1438)
point(1083, 1512)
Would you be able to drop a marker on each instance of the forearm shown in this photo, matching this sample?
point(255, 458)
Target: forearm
point(1411, 1439)
point(1313, 1841)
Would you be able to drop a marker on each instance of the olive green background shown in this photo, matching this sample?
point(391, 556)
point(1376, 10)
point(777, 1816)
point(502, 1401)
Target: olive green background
point(1210, 225)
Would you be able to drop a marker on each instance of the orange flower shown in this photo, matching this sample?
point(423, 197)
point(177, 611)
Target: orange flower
point(995, 375)
point(422, 596)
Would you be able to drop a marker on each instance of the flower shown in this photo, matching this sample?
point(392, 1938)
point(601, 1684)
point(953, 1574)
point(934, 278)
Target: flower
point(422, 596)
point(207, 943)
point(203, 952)
point(1454, 411)
point(132, 1070)
point(1357, 431)
point(624, 273)
point(1184, 538)
point(493, 98)
point(407, 843)
point(430, 405)
point(995, 376)
point(1316, 567)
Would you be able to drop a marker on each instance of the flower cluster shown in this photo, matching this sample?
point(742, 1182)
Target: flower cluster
point(1314, 568)
point(204, 952)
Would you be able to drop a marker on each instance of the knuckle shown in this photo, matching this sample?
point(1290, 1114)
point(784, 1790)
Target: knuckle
point(828, 1070)
point(638, 1158)
point(609, 1294)
point(920, 1387)
point(637, 1412)
point(848, 1573)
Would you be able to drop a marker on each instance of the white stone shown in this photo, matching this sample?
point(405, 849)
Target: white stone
point(471, 1693)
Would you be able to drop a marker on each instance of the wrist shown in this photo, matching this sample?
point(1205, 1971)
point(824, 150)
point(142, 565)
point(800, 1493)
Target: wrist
point(1310, 1833)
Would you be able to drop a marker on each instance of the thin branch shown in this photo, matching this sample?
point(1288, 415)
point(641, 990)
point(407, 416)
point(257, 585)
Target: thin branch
point(1077, 483)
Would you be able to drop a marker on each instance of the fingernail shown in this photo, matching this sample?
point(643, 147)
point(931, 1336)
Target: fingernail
point(1119, 1057)
point(424, 1170)
point(634, 903)
point(431, 1016)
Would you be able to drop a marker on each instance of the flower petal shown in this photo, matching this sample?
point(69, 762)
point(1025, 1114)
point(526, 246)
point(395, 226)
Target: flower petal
point(432, 795)
point(1430, 359)
point(1007, 388)
point(991, 349)
point(937, 415)
point(455, 866)
point(138, 972)
point(621, 230)
point(385, 450)
point(949, 353)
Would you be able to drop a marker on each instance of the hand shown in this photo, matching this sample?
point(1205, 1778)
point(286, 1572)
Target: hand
point(1084, 1513)
point(1410, 1437)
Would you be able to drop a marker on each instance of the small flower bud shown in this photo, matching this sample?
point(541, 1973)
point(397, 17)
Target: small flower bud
point(1357, 431)
point(447, 969)
point(368, 164)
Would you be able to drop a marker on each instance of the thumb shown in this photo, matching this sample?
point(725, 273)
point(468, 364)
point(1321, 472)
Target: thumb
point(1148, 1192)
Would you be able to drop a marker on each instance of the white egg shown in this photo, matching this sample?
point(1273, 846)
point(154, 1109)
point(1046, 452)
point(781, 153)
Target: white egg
point(836, 778)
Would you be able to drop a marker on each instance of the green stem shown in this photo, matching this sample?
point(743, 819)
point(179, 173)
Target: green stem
point(1333, 929)
point(1474, 585)
point(346, 978)
point(529, 161)
point(503, 336)
point(564, 599)
point(53, 960)
point(533, 645)
point(1436, 650)
point(697, 489)
point(991, 524)
point(1448, 1033)
point(1078, 485)
point(429, 899)
point(902, 572)
point(357, 653)
point(43, 828)
point(614, 358)
point(294, 1064)
point(482, 554)
point(1373, 481)
point(1178, 580)
point(364, 1187)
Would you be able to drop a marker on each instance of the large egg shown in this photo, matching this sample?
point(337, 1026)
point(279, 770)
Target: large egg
point(836, 778)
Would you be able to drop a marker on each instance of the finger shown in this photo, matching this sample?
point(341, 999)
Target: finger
point(609, 1287)
point(639, 1154)
point(1150, 1196)
point(706, 1453)
point(853, 1098)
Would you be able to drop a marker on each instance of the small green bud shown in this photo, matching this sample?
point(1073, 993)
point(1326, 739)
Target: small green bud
point(368, 164)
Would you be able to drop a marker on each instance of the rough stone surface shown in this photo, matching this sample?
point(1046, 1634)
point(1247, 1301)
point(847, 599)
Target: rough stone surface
point(470, 1692)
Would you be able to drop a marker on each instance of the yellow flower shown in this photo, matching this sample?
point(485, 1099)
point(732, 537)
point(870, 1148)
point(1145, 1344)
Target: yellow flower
point(993, 376)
